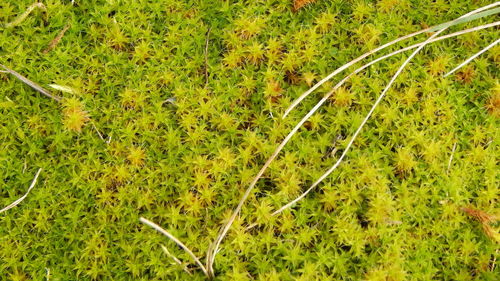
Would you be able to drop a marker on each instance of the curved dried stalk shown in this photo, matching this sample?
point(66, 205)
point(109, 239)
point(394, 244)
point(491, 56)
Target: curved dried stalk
point(214, 247)
point(15, 203)
point(345, 66)
point(28, 11)
point(472, 57)
point(177, 241)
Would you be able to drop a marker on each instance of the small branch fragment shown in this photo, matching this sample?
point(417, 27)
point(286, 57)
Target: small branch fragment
point(171, 100)
point(56, 40)
point(251, 226)
point(479, 215)
point(15, 203)
point(108, 140)
point(28, 11)
point(331, 151)
point(31, 84)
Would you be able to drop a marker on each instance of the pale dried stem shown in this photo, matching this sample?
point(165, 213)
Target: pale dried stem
point(31, 84)
point(177, 241)
point(15, 203)
point(99, 133)
point(472, 57)
point(167, 252)
point(207, 40)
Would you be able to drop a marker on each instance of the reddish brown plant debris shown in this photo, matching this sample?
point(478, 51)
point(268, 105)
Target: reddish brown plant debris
point(56, 40)
point(479, 215)
point(298, 4)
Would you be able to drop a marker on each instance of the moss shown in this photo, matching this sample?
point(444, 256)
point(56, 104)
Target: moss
point(180, 151)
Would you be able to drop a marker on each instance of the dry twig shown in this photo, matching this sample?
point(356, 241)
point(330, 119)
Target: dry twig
point(31, 84)
point(484, 219)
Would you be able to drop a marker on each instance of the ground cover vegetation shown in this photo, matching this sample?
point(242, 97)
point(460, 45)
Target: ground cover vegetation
point(167, 110)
